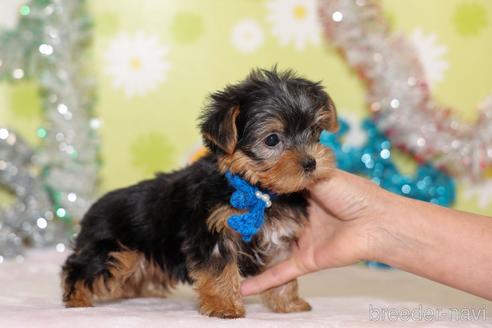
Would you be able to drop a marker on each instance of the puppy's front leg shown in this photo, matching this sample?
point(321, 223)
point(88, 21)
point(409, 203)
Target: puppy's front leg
point(218, 291)
point(285, 299)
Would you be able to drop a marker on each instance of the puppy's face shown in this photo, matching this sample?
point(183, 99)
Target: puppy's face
point(267, 129)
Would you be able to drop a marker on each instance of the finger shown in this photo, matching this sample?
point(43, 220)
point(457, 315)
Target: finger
point(277, 275)
point(323, 187)
point(319, 218)
point(320, 196)
point(316, 210)
point(338, 181)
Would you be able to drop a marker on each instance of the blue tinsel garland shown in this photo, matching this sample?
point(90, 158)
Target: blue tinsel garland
point(374, 160)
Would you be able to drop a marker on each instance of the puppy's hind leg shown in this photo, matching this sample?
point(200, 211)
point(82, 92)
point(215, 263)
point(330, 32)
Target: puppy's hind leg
point(76, 291)
point(86, 272)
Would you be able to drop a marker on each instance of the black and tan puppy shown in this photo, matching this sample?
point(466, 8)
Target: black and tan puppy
point(142, 240)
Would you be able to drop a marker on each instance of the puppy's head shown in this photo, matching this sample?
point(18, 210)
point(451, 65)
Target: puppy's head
point(267, 127)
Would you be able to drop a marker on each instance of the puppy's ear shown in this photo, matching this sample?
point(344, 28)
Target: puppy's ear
point(218, 127)
point(327, 116)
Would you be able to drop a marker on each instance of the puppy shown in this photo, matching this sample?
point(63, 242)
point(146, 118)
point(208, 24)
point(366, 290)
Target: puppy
point(144, 239)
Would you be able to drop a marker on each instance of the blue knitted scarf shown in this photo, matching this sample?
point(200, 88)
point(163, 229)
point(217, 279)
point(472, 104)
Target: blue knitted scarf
point(250, 198)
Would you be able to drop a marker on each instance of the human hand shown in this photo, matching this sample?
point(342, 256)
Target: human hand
point(342, 230)
point(352, 219)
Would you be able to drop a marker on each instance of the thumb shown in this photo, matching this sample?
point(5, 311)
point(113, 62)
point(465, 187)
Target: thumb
point(275, 276)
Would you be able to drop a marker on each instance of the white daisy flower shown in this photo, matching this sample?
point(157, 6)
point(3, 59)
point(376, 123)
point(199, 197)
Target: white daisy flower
point(9, 13)
point(482, 191)
point(136, 63)
point(431, 55)
point(247, 36)
point(295, 21)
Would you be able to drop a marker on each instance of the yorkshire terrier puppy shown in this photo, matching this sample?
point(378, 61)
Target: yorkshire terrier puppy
point(176, 228)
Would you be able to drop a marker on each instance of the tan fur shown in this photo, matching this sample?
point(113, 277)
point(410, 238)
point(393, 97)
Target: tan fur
point(128, 273)
point(285, 299)
point(327, 117)
point(239, 163)
point(219, 293)
point(81, 297)
point(217, 220)
point(131, 276)
point(228, 131)
point(284, 175)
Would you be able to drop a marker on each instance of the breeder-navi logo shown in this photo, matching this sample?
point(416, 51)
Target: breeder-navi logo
point(422, 313)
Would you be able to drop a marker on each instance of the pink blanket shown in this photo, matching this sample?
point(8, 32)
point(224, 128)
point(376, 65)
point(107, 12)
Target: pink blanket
point(349, 297)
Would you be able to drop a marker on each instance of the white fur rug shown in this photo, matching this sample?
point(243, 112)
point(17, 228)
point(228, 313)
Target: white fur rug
point(30, 297)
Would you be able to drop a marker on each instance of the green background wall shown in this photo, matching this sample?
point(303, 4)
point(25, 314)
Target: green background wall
point(188, 49)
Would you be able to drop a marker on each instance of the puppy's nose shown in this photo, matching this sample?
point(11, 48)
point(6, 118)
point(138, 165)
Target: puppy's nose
point(309, 164)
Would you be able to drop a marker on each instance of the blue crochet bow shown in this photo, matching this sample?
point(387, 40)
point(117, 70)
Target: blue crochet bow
point(247, 197)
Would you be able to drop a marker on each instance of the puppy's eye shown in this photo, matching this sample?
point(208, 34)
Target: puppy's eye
point(272, 140)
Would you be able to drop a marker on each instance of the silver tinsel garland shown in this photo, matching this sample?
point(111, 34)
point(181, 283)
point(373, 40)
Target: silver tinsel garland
point(55, 183)
point(398, 93)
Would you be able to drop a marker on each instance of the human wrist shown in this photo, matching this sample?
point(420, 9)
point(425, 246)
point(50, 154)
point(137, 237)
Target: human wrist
point(373, 215)
point(385, 227)
point(373, 212)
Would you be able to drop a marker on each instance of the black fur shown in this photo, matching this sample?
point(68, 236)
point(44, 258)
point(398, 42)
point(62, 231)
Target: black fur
point(165, 217)
point(265, 95)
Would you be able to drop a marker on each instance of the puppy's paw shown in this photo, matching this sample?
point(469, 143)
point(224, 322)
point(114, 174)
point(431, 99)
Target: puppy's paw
point(223, 311)
point(78, 302)
point(80, 296)
point(297, 305)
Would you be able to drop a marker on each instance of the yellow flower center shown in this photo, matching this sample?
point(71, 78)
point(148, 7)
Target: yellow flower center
point(299, 12)
point(135, 63)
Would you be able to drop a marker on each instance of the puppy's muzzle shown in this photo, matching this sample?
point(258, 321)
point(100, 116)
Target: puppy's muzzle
point(309, 164)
